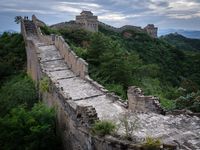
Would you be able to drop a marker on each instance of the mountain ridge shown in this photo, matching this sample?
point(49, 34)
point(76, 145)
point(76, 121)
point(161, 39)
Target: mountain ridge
point(181, 42)
point(194, 34)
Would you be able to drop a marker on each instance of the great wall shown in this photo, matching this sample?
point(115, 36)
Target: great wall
point(79, 101)
point(88, 21)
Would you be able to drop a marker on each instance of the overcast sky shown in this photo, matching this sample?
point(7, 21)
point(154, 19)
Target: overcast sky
point(177, 14)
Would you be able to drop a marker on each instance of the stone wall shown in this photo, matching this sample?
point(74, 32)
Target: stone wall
point(126, 27)
point(68, 25)
point(76, 64)
point(88, 21)
point(38, 22)
point(138, 102)
point(73, 121)
point(151, 30)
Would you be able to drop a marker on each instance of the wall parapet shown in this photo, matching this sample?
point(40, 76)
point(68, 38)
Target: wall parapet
point(37, 22)
point(78, 65)
point(138, 102)
point(121, 29)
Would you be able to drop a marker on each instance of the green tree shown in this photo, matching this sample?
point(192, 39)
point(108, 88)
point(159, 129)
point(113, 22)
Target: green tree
point(20, 90)
point(18, 19)
point(12, 55)
point(23, 129)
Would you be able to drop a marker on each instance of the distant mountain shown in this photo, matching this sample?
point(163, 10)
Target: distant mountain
point(182, 42)
point(187, 33)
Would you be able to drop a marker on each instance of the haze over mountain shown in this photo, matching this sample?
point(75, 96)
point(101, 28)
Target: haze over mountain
point(193, 34)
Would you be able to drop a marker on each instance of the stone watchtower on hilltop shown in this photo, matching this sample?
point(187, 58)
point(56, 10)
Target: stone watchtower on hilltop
point(88, 21)
point(151, 30)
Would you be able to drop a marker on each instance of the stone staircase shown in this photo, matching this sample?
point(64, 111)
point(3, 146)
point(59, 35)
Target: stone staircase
point(30, 27)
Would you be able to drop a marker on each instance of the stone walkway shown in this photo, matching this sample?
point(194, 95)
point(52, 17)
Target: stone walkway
point(182, 130)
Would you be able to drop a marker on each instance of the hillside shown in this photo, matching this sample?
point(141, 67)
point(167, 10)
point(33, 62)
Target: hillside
point(181, 42)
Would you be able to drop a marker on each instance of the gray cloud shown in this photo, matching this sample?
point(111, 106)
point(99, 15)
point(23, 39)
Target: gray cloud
point(165, 14)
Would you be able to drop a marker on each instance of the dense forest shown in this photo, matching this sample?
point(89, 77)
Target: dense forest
point(25, 123)
point(119, 60)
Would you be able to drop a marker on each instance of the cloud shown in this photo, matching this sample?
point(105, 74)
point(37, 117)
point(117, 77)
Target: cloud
point(172, 13)
point(27, 11)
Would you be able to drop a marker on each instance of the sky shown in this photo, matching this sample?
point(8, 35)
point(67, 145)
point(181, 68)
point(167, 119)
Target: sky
point(176, 14)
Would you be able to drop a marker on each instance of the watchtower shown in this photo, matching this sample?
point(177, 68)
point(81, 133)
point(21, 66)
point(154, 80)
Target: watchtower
point(151, 30)
point(88, 21)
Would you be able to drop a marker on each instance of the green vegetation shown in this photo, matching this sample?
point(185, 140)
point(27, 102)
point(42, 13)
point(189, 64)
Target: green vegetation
point(24, 122)
point(152, 144)
point(46, 30)
point(182, 42)
point(103, 128)
point(20, 90)
point(118, 61)
point(28, 129)
point(189, 101)
point(12, 55)
point(44, 84)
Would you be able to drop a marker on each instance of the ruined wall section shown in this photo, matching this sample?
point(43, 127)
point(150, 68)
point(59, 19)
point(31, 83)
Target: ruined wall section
point(138, 102)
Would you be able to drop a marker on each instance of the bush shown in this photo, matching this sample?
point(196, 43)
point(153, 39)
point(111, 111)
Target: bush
point(152, 144)
point(103, 128)
point(117, 89)
point(44, 84)
point(28, 129)
point(190, 101)
point(20, 90)
point(12, 55)
point(47, 30)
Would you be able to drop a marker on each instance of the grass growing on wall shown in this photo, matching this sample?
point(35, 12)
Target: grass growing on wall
point(103, 128)
point(44, 84)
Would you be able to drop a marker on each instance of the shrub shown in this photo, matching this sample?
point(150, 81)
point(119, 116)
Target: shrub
point(47, 30)
point(103, 128)
point(29, 129)
point(190, 101)
point(20, 90)
point(152, 144)
point(44, 84)
point(118, 89)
